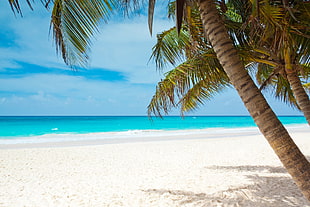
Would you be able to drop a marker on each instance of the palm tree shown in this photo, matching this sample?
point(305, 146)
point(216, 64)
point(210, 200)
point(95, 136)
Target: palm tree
point(75, 23)
point(191, 45)
point(268, 123)
point(198, 78)
point(201, 75)
point(189, 84)
point(280, 39)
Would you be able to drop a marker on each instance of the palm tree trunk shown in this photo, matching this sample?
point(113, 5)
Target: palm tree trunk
point(300, 94)
point(266, 120)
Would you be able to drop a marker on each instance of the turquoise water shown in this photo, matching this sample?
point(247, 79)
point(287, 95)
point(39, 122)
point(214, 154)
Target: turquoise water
point(27, 126)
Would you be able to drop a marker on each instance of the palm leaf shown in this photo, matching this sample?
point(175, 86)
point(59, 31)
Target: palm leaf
point(170, 48)
point(261, 41)
point(74, 24)
point(189, 85)
point(284, 92)
point(15, 5)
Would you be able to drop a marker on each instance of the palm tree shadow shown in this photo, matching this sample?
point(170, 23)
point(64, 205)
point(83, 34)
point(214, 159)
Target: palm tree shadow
point(275, 190)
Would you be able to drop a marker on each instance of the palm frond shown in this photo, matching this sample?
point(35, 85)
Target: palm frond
point(264, 75)
point(200, 92)
point(189, 85)
point(267, 36)
point(15, 5)
point(302, 48)
point(170, 47)
point(171, 9)
point(284, 92)
point(128, 7)
point(74, 24)
point(304, 71)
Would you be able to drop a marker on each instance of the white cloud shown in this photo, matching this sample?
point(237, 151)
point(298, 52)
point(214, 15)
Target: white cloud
point(123, 46)
point(127, 47)
point(28, 37)
point(67, 95)
point(49, 94)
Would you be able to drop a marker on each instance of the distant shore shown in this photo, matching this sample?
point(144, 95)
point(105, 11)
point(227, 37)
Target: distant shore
point(195, 169)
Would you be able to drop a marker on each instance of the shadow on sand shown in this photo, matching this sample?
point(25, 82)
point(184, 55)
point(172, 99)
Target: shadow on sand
point(276, 190)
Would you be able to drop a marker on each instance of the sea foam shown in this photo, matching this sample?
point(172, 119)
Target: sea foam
point(128, 135)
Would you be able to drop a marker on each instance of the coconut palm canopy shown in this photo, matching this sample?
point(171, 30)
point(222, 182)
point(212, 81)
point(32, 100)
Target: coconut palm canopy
point(253, 48)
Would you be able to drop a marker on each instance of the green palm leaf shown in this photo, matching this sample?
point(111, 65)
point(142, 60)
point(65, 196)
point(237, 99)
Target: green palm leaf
point(188, 85)
point(170, 48)
point(15, 5)
point(74, 23)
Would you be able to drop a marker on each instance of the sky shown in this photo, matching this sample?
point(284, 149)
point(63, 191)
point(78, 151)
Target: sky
point(120, 79)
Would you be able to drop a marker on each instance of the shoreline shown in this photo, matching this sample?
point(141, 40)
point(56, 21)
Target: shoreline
point(67, 140)
point(198, 171)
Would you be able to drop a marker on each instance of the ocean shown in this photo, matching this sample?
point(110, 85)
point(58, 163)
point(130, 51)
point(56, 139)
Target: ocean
point(14, 128)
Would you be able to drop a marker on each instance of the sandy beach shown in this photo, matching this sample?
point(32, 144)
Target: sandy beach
point(232, 170)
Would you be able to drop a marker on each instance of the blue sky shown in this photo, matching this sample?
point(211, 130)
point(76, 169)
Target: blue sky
point(119, 81)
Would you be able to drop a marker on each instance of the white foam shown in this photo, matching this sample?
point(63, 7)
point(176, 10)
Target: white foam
point(209, 132)
point(117, 135)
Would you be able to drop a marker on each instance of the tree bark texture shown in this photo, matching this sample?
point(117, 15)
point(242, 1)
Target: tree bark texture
point(266, 120)
point(300, 94)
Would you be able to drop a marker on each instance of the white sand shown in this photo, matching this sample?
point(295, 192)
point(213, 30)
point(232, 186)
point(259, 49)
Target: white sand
point(231, 171)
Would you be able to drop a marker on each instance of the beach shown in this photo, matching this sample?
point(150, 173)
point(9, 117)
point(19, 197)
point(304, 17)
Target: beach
point(234, 169)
